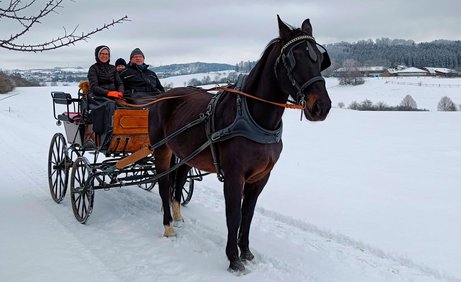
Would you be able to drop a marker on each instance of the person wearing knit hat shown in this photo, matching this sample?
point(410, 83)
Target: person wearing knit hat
point(138, 79)
point(102, 76)
point(136, 51)
point(120, 64)
point(104, 81)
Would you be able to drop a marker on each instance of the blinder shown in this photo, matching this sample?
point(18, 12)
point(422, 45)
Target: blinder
point(326, 63)
point(289, 62)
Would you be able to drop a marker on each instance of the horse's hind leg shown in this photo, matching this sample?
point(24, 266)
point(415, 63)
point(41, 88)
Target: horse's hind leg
point(162, 163)
point(178, 185)
point(250, 196)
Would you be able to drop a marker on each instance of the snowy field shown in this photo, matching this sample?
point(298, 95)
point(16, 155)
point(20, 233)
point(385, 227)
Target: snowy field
point(362, 196)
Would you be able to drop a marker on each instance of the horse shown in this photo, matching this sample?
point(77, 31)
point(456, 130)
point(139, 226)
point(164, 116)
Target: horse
point(241, 152)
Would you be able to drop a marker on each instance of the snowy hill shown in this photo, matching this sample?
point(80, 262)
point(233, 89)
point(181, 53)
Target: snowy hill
point(362, 196)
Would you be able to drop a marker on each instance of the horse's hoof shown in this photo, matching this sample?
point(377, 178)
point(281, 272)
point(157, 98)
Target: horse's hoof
point(236, 266)
point(169, 231)
point(246, 255)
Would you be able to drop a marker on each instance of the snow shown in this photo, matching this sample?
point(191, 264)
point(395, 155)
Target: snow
point(362, 196)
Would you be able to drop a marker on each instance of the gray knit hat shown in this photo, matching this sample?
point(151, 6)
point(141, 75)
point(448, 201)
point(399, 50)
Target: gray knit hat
point(136, 51)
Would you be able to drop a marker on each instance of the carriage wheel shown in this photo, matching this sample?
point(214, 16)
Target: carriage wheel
point(188, 188)
point(58, 167)
point(81, 188)
point(150, 185)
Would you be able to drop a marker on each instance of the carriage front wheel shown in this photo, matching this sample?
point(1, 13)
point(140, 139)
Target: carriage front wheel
point(58, 167)
point(188, 189)
point(82, 189)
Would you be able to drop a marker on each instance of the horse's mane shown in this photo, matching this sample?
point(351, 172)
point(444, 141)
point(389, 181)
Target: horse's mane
point(256, 72)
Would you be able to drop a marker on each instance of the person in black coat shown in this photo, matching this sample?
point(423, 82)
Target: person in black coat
point(103, 78)
point(137, 79)
point(104, 83)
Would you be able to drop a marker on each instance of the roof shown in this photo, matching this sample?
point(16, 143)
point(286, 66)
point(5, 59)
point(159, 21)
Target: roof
point(440, 70)
point(411, 70)
point(363, 69)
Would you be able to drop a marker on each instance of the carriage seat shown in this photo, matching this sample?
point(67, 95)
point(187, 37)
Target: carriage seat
point(71, 105)
point(73, 117)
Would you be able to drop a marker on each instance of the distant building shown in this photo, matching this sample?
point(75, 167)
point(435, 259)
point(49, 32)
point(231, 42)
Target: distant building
point(443, 72)
point(411, 71)
point(368, 71)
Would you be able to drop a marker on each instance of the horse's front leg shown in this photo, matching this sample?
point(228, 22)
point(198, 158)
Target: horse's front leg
point(233, 185)
point(250, 196)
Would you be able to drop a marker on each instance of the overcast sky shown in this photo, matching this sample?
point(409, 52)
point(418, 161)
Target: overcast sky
point(173, 31)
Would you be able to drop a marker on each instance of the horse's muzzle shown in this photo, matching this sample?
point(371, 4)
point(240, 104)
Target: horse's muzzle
point(317, 108)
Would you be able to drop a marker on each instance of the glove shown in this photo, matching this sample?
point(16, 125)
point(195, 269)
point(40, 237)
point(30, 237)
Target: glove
point(115, 94)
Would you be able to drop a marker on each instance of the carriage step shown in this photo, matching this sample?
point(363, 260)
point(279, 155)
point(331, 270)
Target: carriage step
point(136, 177)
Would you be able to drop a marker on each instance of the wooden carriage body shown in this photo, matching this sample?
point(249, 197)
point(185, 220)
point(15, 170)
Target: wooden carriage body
point(129, 126)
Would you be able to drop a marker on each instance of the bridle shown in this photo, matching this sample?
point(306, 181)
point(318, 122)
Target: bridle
point(289, 62)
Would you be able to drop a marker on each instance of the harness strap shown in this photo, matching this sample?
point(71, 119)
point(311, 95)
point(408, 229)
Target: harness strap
point(202, 118)
point(183, 161)
point(210, 129)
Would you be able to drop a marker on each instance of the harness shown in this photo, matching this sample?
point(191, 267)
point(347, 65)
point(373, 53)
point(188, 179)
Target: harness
point(243, 125)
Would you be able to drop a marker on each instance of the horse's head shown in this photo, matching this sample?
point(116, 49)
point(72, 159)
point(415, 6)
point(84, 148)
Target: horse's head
point(298, 69)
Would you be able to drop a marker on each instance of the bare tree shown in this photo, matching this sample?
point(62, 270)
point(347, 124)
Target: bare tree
point(351, 74)
point(408, 103)
point(446, 104)
point(20, 11)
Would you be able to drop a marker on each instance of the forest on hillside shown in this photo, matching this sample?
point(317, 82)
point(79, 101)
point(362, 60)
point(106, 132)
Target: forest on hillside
point(393, 52)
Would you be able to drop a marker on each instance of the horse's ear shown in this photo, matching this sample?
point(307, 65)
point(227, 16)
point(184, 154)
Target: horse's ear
point(284, 30)
point(307, 27)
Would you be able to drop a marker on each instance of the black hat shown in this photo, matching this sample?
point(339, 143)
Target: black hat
point(98, 50)
point(136, 51)
point(120, 61)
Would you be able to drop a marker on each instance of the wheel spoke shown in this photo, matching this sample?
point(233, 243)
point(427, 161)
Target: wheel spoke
point(81, 188)
point(57, 173)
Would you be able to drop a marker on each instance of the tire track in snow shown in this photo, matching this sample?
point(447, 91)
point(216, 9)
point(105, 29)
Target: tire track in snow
point(310, 238)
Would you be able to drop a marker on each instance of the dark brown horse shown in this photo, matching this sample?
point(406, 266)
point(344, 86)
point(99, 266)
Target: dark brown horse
point(245, 153)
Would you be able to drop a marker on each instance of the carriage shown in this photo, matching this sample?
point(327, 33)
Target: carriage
point(83, 161)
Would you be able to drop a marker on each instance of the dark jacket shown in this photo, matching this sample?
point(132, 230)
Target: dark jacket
point(140, 79)
point(103, 77)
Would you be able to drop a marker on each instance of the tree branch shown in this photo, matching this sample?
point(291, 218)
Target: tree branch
point(12, 12)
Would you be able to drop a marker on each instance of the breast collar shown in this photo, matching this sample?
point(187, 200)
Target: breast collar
point(243, 125)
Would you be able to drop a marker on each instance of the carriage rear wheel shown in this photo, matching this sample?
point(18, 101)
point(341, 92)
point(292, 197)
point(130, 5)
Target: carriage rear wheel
point(81, 188)
point(148, 174)
point(58, 167)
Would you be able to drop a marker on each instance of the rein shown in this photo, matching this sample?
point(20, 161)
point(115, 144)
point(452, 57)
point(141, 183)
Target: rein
point(218, 88)
point(123, 102)
point(283, 105)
